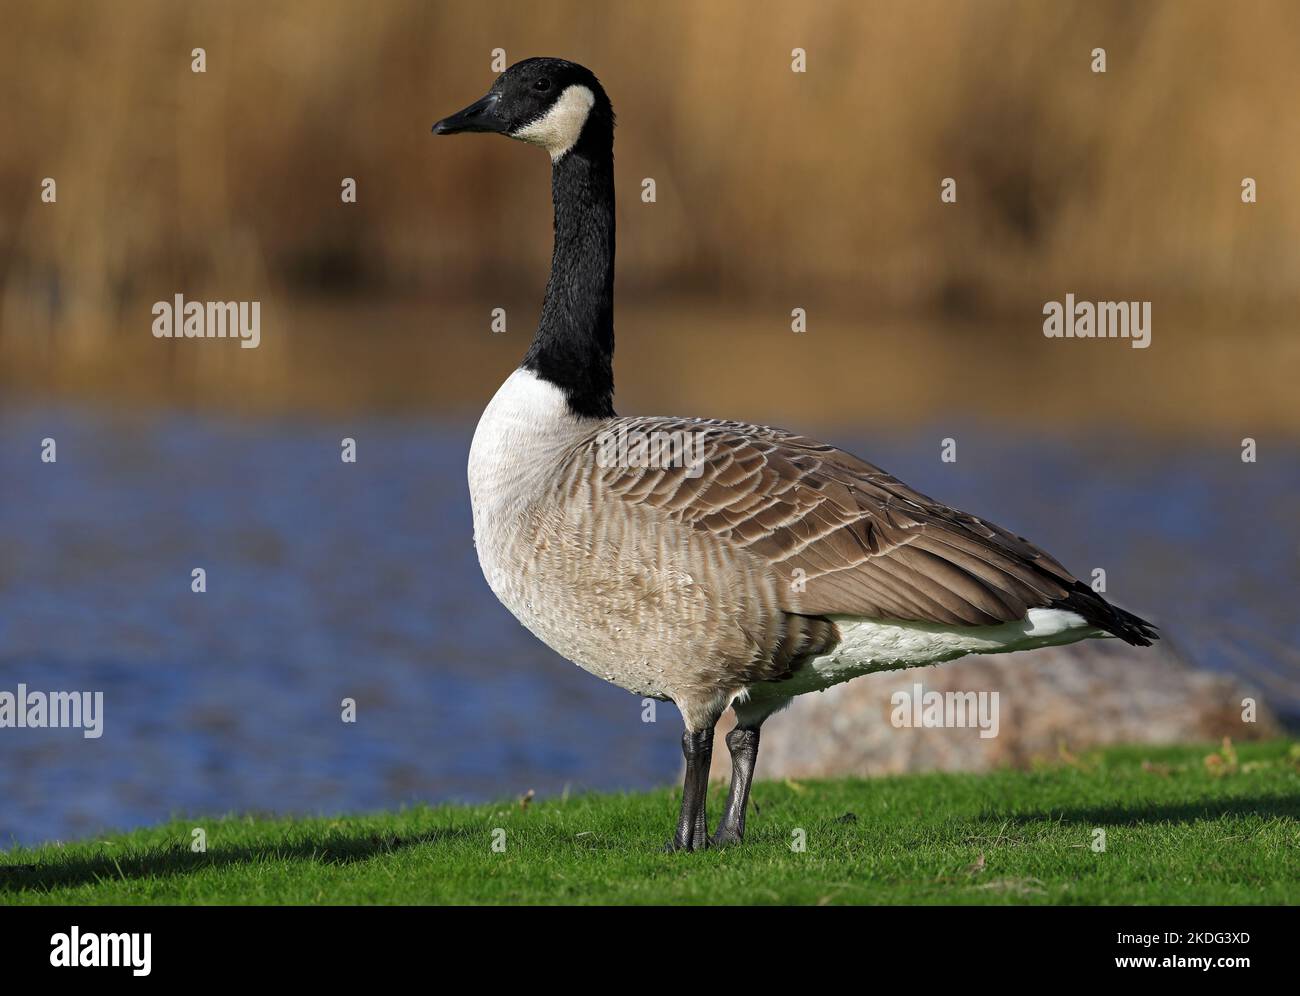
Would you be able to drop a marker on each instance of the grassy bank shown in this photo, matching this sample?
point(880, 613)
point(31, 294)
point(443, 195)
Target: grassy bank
point(1182, 825)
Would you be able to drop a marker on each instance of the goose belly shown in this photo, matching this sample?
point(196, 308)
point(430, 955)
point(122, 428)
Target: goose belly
point(621, 594)
point(628, 609)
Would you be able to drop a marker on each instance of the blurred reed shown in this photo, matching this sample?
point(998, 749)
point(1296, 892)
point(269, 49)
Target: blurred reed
point(775, 189)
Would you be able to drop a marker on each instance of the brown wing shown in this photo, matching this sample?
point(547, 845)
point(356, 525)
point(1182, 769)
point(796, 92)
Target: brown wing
point(848, 538)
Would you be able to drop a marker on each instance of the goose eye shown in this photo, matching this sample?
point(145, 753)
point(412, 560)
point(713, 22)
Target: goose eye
point(542, 85)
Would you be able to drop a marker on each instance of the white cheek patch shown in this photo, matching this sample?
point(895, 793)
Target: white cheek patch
point(558, 129)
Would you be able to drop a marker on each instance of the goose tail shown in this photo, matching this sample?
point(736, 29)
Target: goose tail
point(1130, 628)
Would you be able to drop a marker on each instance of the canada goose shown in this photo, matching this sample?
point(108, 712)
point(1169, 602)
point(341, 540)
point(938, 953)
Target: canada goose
point(763, 566)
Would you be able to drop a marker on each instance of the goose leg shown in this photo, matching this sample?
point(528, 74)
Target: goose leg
point(693, 826)
point(743, 744)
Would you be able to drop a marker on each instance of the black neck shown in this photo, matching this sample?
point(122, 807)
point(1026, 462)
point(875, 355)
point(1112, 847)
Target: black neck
point(574, 344)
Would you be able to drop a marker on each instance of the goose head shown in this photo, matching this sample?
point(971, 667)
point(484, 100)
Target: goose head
point(548, 102)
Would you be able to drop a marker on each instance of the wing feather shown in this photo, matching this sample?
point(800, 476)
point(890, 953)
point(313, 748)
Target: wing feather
point(845, 537)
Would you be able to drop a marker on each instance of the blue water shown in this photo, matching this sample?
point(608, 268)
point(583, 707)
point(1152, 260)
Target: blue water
point(328, 580)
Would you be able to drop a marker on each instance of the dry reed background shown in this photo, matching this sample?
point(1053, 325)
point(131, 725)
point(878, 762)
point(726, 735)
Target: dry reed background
point(775, 190)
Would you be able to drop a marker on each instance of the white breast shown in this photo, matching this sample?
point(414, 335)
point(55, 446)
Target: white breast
point(515, 462)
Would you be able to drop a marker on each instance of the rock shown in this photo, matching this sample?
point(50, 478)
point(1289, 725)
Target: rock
point(1061, 698)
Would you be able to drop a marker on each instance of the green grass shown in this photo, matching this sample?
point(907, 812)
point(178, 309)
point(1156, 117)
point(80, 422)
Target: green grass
point(1178, 830)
